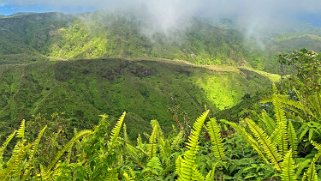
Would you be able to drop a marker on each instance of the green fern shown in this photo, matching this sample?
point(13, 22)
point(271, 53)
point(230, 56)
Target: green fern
point(14, 166)
point(30, 164)
point(177, 140)
point(154, 167)
point(152, 146)
point(249, 139)
point(126, 138)
point(115, 132)
point(4, 147)
point(188, 170)
point(311, 173)
point(281, 121)
point(196, 175)
point(269, 123)
point(211, 174)
point(21, 130)
point(293, 140)
point(214, 130)
point(317, 146)
point(178, 165)
point(67, 147)
point(288, 168)
point(268, 147)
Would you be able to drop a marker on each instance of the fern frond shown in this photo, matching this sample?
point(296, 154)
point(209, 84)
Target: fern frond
point(34, 148)
point(302, 165)
point(14, 166)
point(214, 131)
point(268, 122)
point(21, 130)
point(177, 140)
point(192, 143)
point(164, 147)
point(211, 174)
point(317, 146)
point(152, 146)
point(268, 147)
point(311, 173)
point(140, 143)
point(126, 138)
point(68, 146)
point(281, 123)
point(178, 165)
point(288, 168)
point(4, 147)
point(293, 140)
point(115, 132)
point(248, 138)
point(196, 175)
point(153, 167)
point(188, 165)
point(127, 177)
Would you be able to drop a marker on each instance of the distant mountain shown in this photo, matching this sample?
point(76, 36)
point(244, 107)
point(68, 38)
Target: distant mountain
point(35, 37)
point(29, 37)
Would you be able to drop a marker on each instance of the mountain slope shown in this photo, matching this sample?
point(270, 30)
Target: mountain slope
point(58, 36)
point(152, 89)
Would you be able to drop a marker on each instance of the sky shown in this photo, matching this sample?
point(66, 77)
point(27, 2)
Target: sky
point(168, 14)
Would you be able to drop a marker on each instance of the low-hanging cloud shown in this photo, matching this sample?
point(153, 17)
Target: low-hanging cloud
point(165, 15)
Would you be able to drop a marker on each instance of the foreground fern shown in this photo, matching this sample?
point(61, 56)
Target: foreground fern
point(101, 154)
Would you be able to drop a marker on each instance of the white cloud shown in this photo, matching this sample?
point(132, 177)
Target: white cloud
point(170, 14)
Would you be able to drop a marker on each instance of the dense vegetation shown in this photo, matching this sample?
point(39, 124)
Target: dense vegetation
point(279, 140)
point(146, 89)
point(58, 72)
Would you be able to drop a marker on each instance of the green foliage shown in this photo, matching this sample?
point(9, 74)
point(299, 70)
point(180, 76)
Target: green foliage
point(288, 168)
point(102, 154)
point(187, 166)
point(214, 129)
point(77, 41)
point(80, 90)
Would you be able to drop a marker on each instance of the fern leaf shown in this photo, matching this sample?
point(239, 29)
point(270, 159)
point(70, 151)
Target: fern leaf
point(188, 165)
point(288, 168)
point(4, 147)
point(152, 146)
point(21, 130)
point(281, 123)
point(154, 166)
point(34, 149)
point(177, 140)
point(197, 175)
point(317, 146)
point(14, 165)
point(302, 164)
point(268, 122)
point(68, 146)
point(178, 165)
point(126, 138)
point(140, 143)
point(127, 177)
point(293, 140)
point(214, 130)
point(211, 174)
point(249, 139)
point(115, 132)
point(311, 173)
point(268, 147)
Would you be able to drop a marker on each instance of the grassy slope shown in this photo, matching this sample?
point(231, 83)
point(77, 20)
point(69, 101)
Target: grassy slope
point(151, 89)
